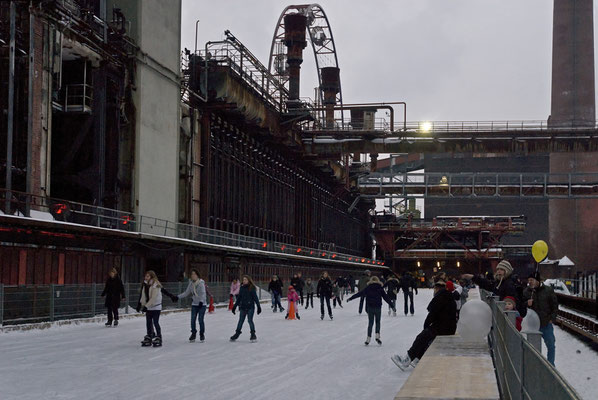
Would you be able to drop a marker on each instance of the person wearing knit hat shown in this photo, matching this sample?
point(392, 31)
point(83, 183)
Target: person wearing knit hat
point(502, 285)
point(511, 305)
point(543, 301)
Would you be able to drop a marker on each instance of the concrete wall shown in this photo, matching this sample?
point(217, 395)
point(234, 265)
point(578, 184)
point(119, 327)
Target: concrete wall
point(156, 27)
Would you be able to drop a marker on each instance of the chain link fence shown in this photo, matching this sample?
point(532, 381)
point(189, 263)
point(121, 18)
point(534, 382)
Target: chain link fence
point(522, 372)
point(40, 303)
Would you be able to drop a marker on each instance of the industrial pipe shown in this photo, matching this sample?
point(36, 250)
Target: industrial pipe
point(11, 104)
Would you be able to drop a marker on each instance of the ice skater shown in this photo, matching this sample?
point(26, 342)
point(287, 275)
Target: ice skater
point(441, 320)
point(324, 292)
point(392, 286)
point(337, 295)
point(151, 304)
point(246, 302)
point(114, 291)
point(292, 298)
point(197, 290)
point(373, 294)
point(310, 288)
point(409, 285)
point(363, 283)
point(275, 289)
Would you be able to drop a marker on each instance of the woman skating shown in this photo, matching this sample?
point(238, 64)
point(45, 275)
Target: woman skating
point(151, 303)
point(310, 289)
point(196, 289)
point(373, 293)
point(324, 293)
point(246, 302)
point(114, 292)
point(393, 286)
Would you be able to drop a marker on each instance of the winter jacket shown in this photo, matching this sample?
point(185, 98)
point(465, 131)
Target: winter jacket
point(310, 287)
point(502, 289)
point(292, 296)
point(393, 287)
point(363, 282)
point(197, 290)
point(324, 287)
point(545, 304)
point(114, 291)
point(373, 293)
point(275, 286)
point(247, 299)
point(442, 314)
point(297, 283)
point(151, 297)
point(234, 288)
point(337, 290)
point(341, 282)
point(408, 284)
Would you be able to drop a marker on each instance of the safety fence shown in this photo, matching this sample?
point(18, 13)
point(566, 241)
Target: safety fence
point(522, 372)
point(39, 303)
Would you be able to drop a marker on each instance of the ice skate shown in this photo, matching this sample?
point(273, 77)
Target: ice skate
point(367, 341)
point(297, 315)
point(322, 317)
point(402, 362)
point(253, 337)
point(192, 337)
point(157, 342)
point(378, 339)
point(202, 337)
point(330, 317)
point(108, 324)
point(414, 362)
point(115, 323)
point(147, 341)
point(235, 336)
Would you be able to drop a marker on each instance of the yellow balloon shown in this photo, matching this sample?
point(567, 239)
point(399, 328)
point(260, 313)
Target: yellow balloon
point(539, 250)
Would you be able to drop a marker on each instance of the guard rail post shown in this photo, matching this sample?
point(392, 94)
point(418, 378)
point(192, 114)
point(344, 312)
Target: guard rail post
point(1, 304)
point(93, 299)
point(52, 294)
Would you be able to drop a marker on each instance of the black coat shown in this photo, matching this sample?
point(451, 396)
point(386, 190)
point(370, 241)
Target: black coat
point(325, 287)
point(393, 286)
point(407, 283)
point(297, 283)
point(507, 287)
point(442, 314)
point(247, 298)
point(114, 290)
point(275, 286)
point(373, 293)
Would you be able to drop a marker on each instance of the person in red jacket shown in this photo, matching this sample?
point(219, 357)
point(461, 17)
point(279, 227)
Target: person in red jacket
point(511, 305)
point(292, 297)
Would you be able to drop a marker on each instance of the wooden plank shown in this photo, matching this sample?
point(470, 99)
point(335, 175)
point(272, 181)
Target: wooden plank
point(61, 264)
point(22, 267)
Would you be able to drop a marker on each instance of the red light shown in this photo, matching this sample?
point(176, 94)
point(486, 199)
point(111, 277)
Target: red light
point(126, 219)
point(323, 254)
point(60, 208)
point(334, 256)
point(299, 250)
point(363, 260)
point(350, 258)
point(265, 245)
point(311, 252)
point(283, 247)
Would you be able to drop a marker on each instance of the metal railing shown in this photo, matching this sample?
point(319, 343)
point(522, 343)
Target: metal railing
point(522, 372)
point(40, 303)
point(67, 211)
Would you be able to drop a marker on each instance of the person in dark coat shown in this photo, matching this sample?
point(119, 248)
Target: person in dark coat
point(363, 282)
point(301, 287)
point(246, 302)
point(114, 291)
point(373, 294)
point(409, 285)
point(275, 288)
point(441, 320)
point(502, 285)
point(543, 301)
point(324, 292)
point(393, 287)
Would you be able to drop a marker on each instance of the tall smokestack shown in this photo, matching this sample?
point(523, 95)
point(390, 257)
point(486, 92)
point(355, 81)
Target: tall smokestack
point(331, 85)
point(573, 99)
point(294, 38)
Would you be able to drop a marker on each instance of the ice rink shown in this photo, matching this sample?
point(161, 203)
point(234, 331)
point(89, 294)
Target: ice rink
point(306, 359)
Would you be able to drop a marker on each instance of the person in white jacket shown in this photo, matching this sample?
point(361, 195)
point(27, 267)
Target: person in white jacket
point(197, 290)
point(151, 303)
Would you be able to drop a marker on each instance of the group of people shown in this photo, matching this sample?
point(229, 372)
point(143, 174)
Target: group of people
point(443, 309)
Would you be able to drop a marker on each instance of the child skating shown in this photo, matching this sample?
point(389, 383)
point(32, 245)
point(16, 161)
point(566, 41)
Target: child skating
point(196, 289)
point(373, 294)
point(151, 303)
point(293, 299)
point(246, 302)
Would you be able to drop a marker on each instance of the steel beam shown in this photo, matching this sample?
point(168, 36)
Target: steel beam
point(11, 105)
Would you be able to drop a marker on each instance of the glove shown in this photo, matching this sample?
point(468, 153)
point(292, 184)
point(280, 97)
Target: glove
point(234, 310)
point(174, 298)
point(138, 308)
point(259, 310)
point(144, 309)
point(200, 304)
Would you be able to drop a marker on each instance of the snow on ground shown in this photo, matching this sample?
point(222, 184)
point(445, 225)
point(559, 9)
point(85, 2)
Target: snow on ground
point(309, 359)
point(579, 369)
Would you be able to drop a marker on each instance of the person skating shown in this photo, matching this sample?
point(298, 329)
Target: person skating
point(373, 294)
point(392, 286)
point(197, 290)
point(234, 289)
point(275, 288)
point(543, 301)
point(324, 291)
point(363, 283)
point(247, 301)
point(310, 289)
point(151, 303)
point(408, 285)
point(292, 298)
point(337, 295)
point(441, 320)
point(114, 291)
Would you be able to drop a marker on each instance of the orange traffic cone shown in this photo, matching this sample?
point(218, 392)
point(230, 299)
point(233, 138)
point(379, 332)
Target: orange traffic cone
point(231, 304)
point(291, 310)
point(211, 308)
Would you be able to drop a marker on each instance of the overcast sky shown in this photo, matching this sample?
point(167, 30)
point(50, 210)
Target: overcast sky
point(449, 60)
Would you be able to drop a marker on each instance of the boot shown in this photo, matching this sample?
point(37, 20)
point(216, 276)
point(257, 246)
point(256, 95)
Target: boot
point(367, 341)
point(330, 317)
point(202, 337)
point(108, 324)
point(297, 315)
point(192, 337)
point(401, 362)
point(322, 317)
point(157, 342)
point(235, 336)
point(253, 338)
point(147, 341)
point(115, 323)
point(378, 339)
